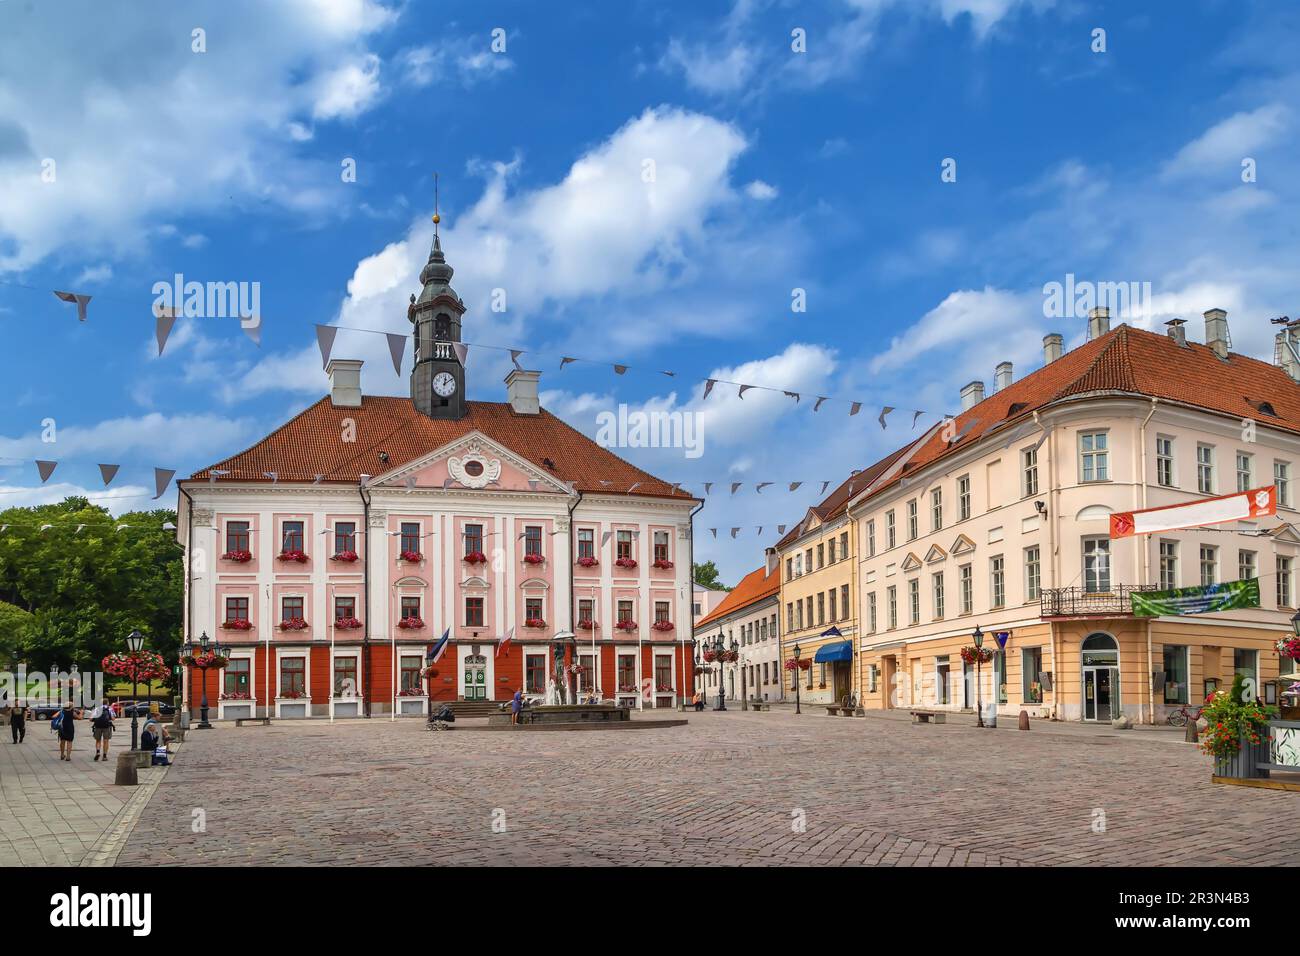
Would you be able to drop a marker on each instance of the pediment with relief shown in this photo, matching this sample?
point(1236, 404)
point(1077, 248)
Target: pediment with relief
point(475, 462)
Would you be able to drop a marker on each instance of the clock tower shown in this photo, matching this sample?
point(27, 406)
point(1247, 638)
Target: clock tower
point(438, 378)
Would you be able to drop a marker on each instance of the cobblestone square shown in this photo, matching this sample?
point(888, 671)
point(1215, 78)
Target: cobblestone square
point(733, 788)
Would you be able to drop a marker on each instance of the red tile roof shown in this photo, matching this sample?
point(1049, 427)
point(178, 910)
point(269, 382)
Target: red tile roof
point(311, 444)
point(753, 587)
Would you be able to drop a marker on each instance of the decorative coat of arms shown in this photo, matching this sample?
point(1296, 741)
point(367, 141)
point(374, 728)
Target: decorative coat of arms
point(474, 471)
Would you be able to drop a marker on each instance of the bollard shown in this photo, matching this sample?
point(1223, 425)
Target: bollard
point(1024, 720)
point(1191, 732)
point(126, 775)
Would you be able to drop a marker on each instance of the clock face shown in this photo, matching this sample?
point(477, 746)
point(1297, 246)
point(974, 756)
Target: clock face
point(444, 383)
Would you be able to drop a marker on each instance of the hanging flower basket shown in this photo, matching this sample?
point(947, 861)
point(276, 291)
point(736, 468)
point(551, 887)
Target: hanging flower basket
point(206, 661)
point(243, 557)
point(625, 563)
point(972, 655)
point(1289, 647)
point(663, 564)
point(238, 624)
point(711, 656)
point(347, 624)
point(587, 625)
point(348, 556)
point(729, 657)
point(587, 561)
point(534, 622)
point(411, 556)
point(429, 672)
point(534, 559)
point(475, 557)
point(292, 555)
point(626, 625)
point(797, 664)
point(411, 623)
point(142, 667)
point(662, 625)
point(294, 624)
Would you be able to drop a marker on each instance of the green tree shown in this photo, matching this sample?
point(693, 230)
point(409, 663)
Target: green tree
point(707, 575)
point(14, 625)
point(85, 584)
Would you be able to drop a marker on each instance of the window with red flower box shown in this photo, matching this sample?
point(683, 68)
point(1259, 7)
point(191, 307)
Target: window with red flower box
point(293, 677)
point(236, 609)
point(238, 542)
point(345, 537)
point(533, 544)
point(410, 541)
point(623, 547)
point(586, 544)
point(291, 536)
point(661, 559)
point(473, 539)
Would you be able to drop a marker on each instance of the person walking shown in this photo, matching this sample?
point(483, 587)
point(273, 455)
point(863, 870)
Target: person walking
point(18, 721)
point(66, 729)
point(101, 726)
point(516, 705)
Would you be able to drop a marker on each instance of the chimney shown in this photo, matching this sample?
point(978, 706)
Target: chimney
point(1216, 332)
point(345, 382)
point(971, 395)
point(1177, 332)
point(1098, 322)
point(773, 562)
point(1053, 347)
point(1285, 355)
point(1002, 376)
point(521, 388)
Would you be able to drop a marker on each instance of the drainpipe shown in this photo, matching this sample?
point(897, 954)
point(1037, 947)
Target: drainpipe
point(365, 572)
point(1139, 541)
point(1053, 497)
point(189, 591)
point(573, 622)
point(691, 600)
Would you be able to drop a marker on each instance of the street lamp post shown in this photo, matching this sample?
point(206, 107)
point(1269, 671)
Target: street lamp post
point(978, 638)
point(795, 672)
point(720, 650)
point(135, 644)
point(744, 690)
point(202, 656)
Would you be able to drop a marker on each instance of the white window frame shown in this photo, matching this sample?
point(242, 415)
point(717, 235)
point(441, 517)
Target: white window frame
point(1095, 455)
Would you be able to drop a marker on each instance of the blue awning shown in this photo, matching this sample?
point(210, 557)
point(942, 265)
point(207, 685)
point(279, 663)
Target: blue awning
point(839, 651)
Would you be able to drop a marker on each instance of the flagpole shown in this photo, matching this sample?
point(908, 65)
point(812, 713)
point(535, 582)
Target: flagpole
point(266, 638)
point(392, 655)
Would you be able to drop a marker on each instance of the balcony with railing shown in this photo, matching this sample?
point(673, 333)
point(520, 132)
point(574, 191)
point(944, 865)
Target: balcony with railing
point(1081, 602)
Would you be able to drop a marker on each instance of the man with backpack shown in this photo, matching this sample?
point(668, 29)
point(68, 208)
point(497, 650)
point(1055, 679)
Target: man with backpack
point(101, 726)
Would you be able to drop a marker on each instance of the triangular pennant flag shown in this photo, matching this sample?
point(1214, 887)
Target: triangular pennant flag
point(514, 357)
point(81, 300)
point(325, 335)
point(108, 473)
point(254, 332)
point(396, 346)
point(620, 369)
point(121, 526)
point(735, 531)
point(565, 360)
point(715, 531)
point(794, 395)
point(635, 486)
point(708, 486)
point(820, 399)
point(760, 530)
point(410, 482)
point(855, 408)
point(883, 412)
point(794, 485)
point(758, 488)
point(46, 527)
point(708, 387)
point(164, 319)
point(214, 474)
point(78, 531)
point(677, 486)
point(636, 534)
point(669, 374)
point(46, 468)
point(735, 486)
point(824, 485)
point(161, 479)
point(915, 416)
point(317, 479)
point(275, 476)
point(604, 538)
point(446, 483)
point(743, 390)
point(462, 352)
point(780, 529)
point(533, 483)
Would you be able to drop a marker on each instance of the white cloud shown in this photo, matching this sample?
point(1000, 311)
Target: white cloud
point(116, 500)
point(760, 190)
point(347, 90)
point(976, 324)
point(167, 438)
point(711, 69)
point(465, 59)
point(1224, 145)
point(94, 274)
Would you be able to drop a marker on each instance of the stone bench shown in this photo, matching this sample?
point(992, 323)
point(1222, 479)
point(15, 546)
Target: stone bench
point(759, 705)
point(264, 721)
point(928, 716)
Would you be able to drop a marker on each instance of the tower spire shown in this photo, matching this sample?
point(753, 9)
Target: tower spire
point(436, 218)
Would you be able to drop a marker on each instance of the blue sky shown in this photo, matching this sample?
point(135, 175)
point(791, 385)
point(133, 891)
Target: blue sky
point(774, 170)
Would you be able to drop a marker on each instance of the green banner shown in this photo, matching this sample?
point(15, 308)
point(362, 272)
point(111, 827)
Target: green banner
point(1209, 597)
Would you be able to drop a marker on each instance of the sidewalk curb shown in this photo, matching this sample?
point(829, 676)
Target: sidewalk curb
point(114, 837)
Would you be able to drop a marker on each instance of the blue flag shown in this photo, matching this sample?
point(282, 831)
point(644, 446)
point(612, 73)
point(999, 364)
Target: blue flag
point(437, 650)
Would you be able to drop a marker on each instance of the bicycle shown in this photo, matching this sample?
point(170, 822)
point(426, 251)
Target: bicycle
point(1179, 717)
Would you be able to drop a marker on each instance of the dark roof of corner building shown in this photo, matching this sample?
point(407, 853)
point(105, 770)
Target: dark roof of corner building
point(1123, 362)
point(310, 444)
point(753, 587)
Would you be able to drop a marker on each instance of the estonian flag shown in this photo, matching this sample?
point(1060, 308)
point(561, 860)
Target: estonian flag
point(505, 641)
point(831, 631)
point(437, 650)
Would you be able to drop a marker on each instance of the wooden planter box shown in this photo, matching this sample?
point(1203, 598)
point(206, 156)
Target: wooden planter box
point(1244, 764)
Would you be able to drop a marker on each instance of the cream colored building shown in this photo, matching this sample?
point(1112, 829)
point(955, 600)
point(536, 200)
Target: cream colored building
point(747, 619)
point(1006, 528)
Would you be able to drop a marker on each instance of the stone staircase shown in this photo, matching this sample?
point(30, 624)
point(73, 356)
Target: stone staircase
point(473, 708)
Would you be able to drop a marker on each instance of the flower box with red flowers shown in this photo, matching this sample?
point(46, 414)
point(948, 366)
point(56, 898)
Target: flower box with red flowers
point(208, 661)
point(411, 623)
point(587, 561)
point(242, 557)
point(662, 625)
point(294, 624)
point(534, 559)
point(971, 655)
point(534, 622)
point(236, 695)
point(347, 624)
point(664, 688)
point(411, 556)
point(238, 624)
point(662, 564)
point(626, 625)
point(293, 694)
point(411, 692)
point(292, 555)
point(587, 625)
point(348, 556)
point(627, 688)
point(625, 563)
point(475, 557)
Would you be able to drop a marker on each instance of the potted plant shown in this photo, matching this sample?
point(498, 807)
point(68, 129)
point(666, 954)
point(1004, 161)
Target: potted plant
point(347, 624)
point(345, 556)
point(972, 655)
point(412, 556)
point(662, 625)
point(474, 557)
point(235, 695)
point(238, 624)
point(531, 558)
point(293, 554)
point(293, 694)
point(626, 625)
point(587, 561)
point(411, 623)
point(625, 563)
point(293, 624)
point(534, 622)
point(1236, 734)
point(1289, 647)
point(587, 625)
point(662, 564)
point(242, 557)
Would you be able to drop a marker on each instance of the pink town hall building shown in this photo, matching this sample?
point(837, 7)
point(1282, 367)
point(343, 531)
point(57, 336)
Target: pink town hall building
point(332, 555)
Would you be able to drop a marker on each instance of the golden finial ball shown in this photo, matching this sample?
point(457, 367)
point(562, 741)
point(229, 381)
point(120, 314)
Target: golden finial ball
point(436, 219)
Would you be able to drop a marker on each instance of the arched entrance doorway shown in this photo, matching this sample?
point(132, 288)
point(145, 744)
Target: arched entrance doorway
point(1100, 666)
